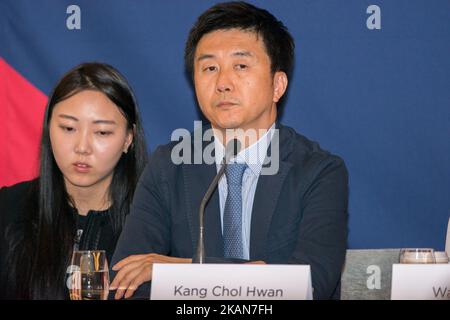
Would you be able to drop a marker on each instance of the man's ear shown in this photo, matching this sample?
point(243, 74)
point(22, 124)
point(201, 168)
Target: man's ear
point(280, 83)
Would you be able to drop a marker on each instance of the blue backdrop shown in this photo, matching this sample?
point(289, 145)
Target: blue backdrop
point(379, 98)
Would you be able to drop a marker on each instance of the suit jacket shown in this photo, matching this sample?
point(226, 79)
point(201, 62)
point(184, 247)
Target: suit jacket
point(299, 214)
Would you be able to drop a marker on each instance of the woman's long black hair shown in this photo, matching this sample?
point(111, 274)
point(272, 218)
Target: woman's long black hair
point(42, 254)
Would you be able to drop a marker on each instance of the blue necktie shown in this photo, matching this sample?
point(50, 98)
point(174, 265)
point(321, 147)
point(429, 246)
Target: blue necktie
point(232, 216)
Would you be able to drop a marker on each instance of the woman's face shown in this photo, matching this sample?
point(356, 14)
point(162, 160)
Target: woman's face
point(88, 135)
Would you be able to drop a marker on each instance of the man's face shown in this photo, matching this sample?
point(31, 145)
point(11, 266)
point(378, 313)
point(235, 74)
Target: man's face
point(233, 80)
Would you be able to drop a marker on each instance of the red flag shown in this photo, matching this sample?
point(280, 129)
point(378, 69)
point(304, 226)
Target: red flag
point(22, 108)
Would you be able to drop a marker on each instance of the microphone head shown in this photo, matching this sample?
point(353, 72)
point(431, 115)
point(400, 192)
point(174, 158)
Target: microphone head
point(232, 149)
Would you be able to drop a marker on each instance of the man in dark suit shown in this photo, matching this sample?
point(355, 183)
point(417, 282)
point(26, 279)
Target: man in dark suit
point(282, 200)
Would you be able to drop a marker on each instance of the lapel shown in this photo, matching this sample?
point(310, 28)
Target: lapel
point(266, 196)
point(197, 178)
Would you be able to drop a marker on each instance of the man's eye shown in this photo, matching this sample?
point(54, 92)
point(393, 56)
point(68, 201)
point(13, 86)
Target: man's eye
point(241, 66)
point(210, 69)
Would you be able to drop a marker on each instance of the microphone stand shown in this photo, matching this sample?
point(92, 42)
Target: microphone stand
point(200, 254)
point(232, 149)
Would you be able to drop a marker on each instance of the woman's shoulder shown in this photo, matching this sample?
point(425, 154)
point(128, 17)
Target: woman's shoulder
point(14, 198)
point(17, 191)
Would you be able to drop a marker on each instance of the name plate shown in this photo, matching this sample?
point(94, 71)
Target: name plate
point(420, 282)
point(231, 282)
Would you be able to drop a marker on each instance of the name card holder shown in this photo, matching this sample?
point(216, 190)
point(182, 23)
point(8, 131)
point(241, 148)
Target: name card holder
point(231, 282)
point(420, 282)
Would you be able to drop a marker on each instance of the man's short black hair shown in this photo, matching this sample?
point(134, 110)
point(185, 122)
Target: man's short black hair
point(240, 15)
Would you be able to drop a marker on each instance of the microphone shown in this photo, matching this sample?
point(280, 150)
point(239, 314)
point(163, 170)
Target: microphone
point(231, 150)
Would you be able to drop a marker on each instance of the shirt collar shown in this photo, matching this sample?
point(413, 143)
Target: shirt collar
point(253, 156)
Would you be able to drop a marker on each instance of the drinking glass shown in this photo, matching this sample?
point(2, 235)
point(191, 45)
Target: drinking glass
point(441, 257)
point(417, 255)
point(88, 275)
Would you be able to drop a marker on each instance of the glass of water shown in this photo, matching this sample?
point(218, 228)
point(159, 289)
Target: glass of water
point(417, 255)
point(88, 275)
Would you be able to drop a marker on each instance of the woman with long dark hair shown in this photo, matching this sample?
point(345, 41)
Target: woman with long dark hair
point(92, 153)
